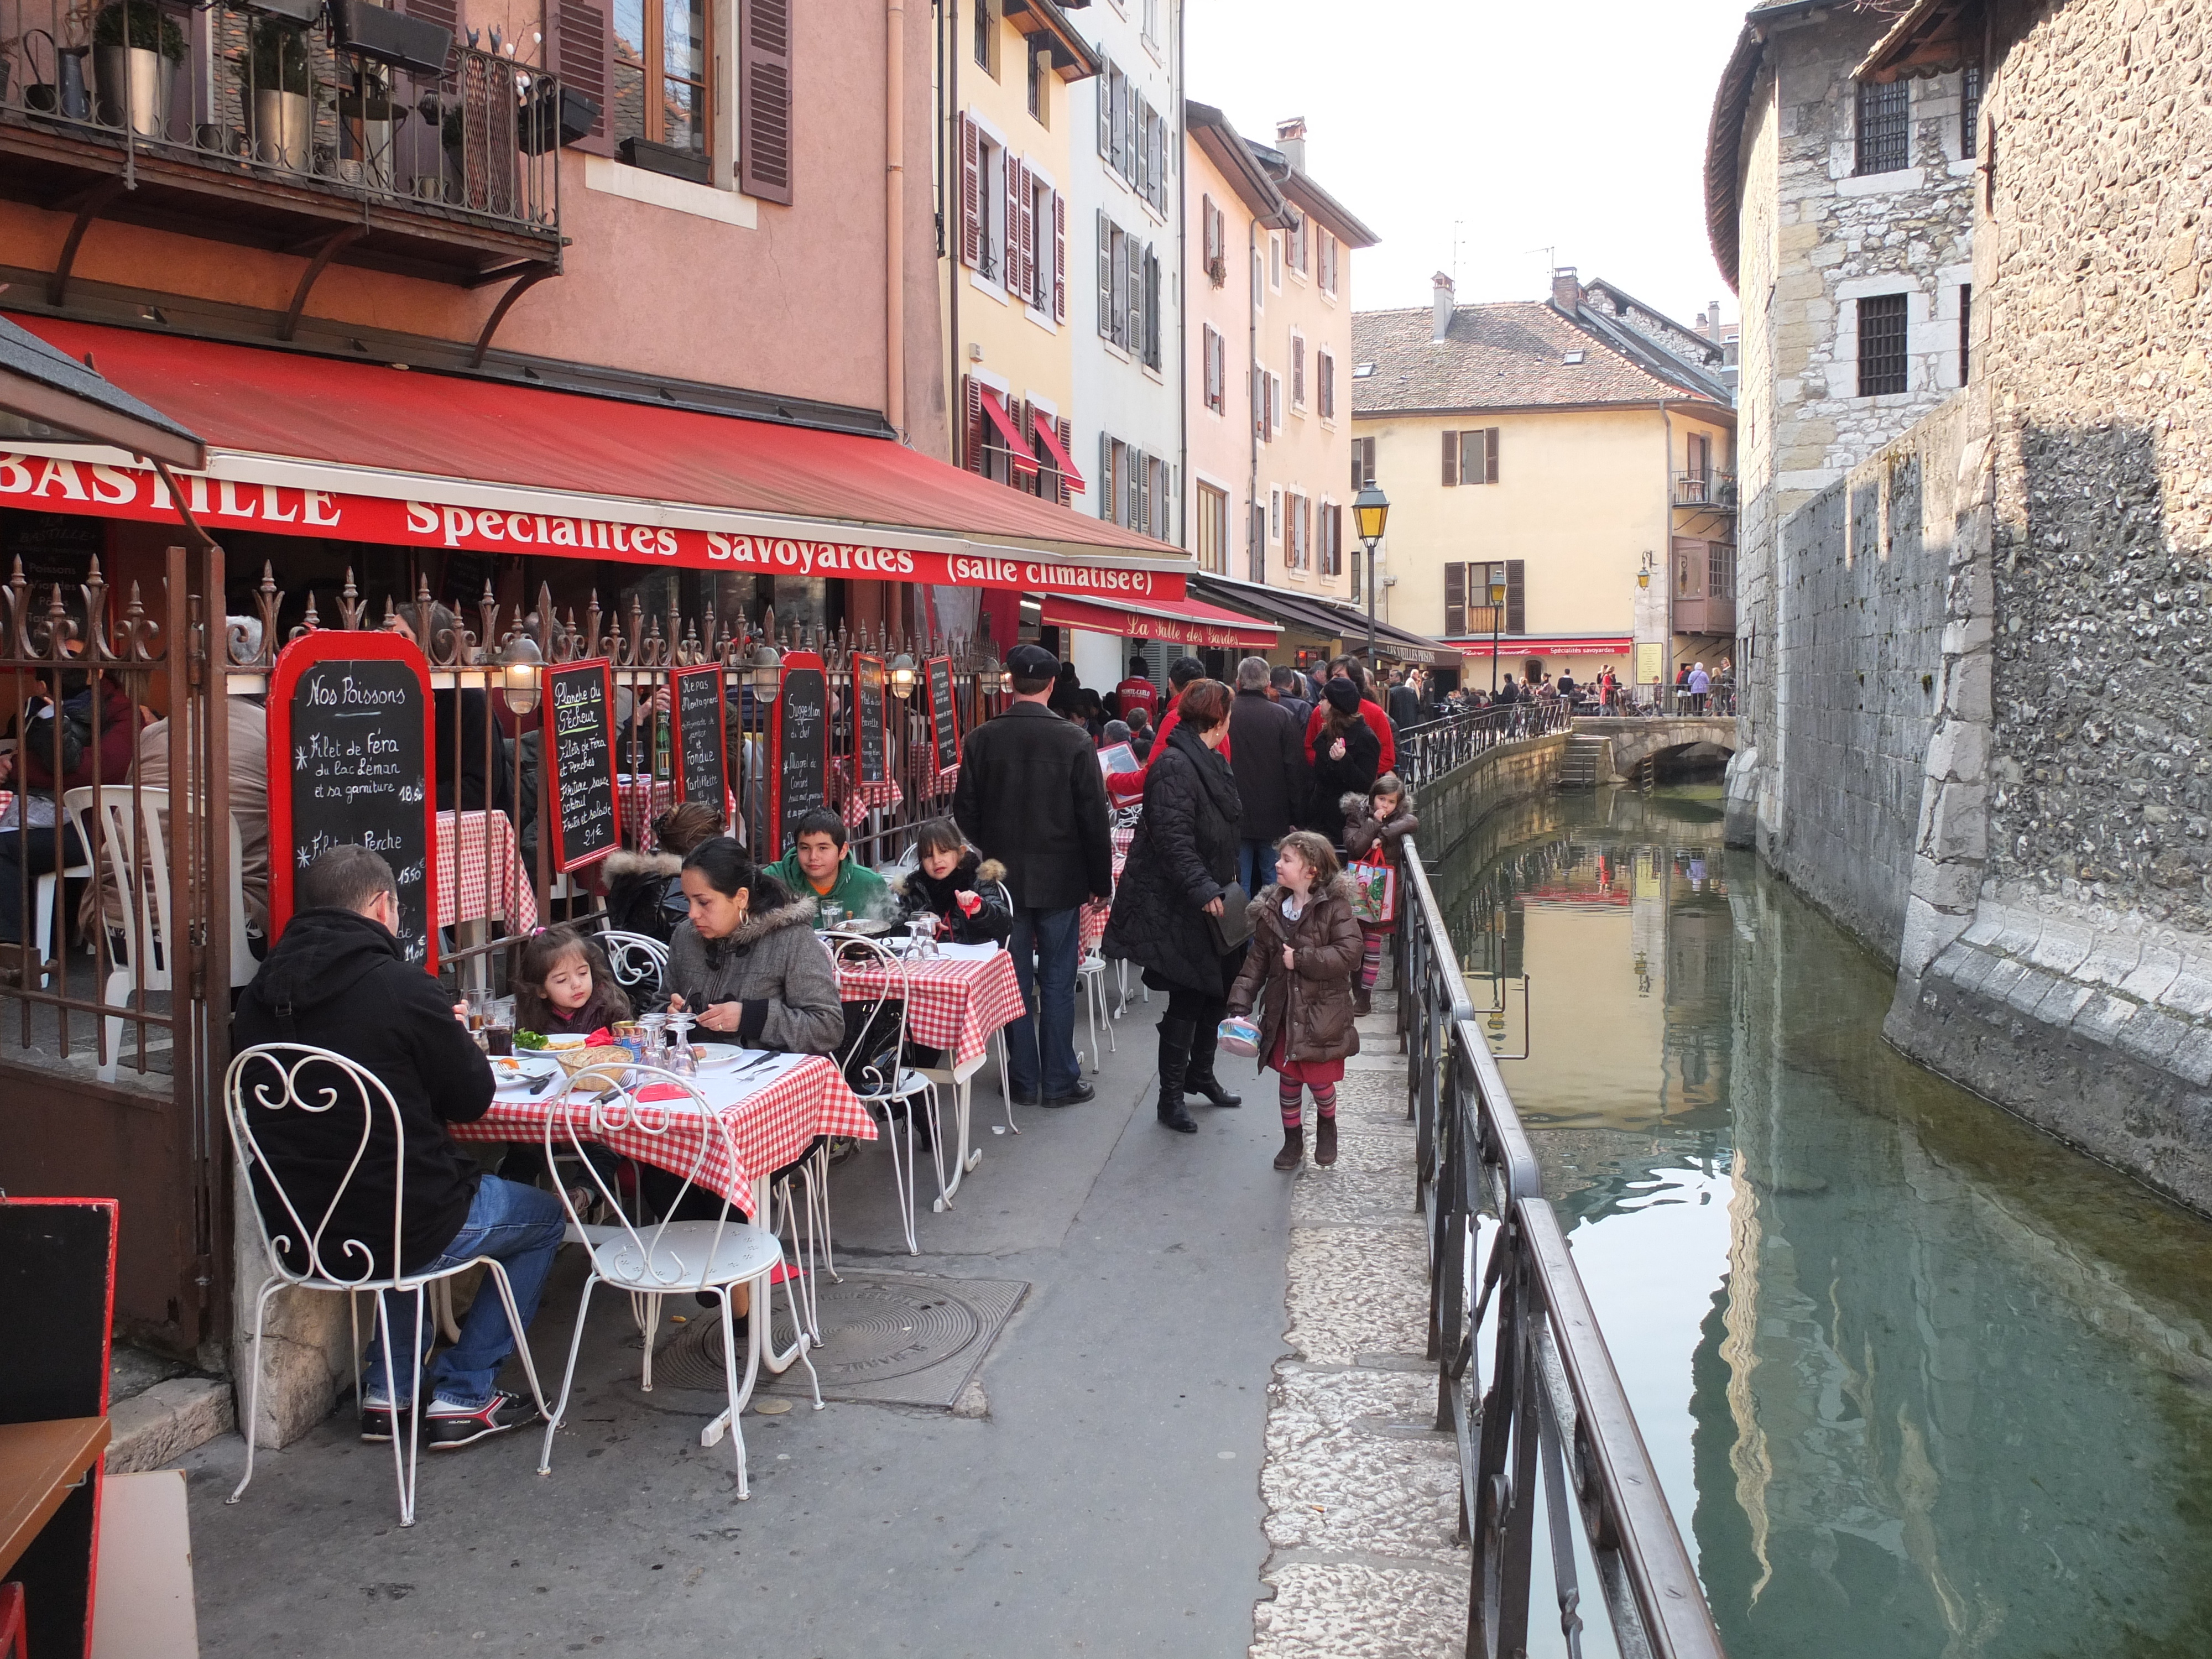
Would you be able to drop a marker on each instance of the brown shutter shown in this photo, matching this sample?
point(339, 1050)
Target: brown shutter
point(764, 99)
point(1489, 454)
point(1454, 600)
point(971, 193)
point(1516, 611)
point(1451, 459)
point(582, 55)
point(1010, 269)
point(1066, 430)
point(1059, 261)
point(971, 453)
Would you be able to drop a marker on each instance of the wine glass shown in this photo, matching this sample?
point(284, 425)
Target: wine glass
point(680, 1059)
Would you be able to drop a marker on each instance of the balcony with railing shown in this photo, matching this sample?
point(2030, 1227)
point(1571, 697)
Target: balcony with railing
point(1709, 490)
point(363, 134)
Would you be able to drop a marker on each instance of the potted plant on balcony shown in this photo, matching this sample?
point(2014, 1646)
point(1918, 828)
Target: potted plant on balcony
point(365, 129)
point(273, 70)
point(135, 49)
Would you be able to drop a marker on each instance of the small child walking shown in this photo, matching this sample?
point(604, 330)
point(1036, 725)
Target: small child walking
point(1384, 814)
point(562, 986)
point(1299, 970)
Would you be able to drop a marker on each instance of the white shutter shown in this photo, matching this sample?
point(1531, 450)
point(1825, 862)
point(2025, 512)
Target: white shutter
point(1108, 290)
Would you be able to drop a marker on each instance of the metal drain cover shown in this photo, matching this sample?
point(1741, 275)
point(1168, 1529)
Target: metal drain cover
point(901, 1338)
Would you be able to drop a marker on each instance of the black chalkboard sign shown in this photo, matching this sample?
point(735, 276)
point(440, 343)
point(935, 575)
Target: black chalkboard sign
point(799, 751)
point(701, 739)
point(944, 717)
point(580, 745)
point(872, 753)
point(350, 751)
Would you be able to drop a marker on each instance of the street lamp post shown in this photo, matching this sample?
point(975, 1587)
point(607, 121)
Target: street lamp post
point(1496, 597)
point(1371, 511)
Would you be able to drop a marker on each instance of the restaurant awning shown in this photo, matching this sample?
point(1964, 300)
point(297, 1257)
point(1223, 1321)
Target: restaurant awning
point(40, 384)
point(1058, 451)
point(1024, 460)
point(306, 445)
point(1324, 619)
point(1177, 622)
point(1551, 645)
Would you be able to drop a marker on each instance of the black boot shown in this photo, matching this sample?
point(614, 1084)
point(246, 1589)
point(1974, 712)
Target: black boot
point(1198, 1077)
point(1174, 1061)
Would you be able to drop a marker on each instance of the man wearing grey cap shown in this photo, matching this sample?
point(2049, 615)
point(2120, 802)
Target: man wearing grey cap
point(1030, 796)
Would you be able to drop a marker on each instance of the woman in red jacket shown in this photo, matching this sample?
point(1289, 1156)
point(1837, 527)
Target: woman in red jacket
point(91, 732)
point(1344, 668)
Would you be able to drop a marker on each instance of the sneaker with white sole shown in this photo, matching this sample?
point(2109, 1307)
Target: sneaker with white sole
point(375, 1418)
point(448, 1427)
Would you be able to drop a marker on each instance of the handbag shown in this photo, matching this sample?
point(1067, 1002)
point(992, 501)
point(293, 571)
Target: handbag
point(1238, 1035)
point(1234, 924)
point(1374, 889)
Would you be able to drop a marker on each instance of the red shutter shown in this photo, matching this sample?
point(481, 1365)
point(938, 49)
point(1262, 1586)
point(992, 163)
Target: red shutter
point(582, 55)
point(1059, 264)
point(764, 99)
point(971, 193)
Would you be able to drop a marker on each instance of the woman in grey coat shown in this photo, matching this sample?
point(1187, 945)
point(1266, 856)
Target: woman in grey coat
point(745, 959)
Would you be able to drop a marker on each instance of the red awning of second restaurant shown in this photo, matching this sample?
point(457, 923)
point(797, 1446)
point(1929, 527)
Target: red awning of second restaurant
point(1016, 451)
point(1058, 451)
point(301, 444)
point(1178, 622)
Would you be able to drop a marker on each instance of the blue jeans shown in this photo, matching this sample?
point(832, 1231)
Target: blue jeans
point(1255, 866)
point(1042, 1041)
point(518, 1226)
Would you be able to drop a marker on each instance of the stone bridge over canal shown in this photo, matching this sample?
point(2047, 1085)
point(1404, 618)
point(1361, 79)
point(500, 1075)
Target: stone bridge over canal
point(1633, 739)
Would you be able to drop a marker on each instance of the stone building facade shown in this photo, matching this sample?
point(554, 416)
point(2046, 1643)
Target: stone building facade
point(1808, 220)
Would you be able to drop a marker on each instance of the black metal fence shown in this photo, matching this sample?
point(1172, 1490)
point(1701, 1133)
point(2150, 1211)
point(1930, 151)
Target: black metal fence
point(1428, 752)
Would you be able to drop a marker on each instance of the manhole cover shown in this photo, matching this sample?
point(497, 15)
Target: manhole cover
point(901, 1337)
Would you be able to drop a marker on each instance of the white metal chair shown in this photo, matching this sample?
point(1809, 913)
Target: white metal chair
point(652, 1260)
point(894, 1091)
point(271, 1087)
point(639, 962)
point(116, 823)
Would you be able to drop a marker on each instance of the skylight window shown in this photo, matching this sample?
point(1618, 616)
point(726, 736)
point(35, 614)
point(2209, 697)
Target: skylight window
point(1574, 358)
point(1361, 371)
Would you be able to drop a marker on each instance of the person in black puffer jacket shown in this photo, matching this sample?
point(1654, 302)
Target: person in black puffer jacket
point(1183, 859)
point(957, 886)
point(1346, 756)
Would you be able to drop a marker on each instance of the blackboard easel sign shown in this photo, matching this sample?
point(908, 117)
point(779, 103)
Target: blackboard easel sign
point(944, 716)
point(798, 747)
point(350, 748)
point(871, 754)
point(702, 738)
point(580, 756)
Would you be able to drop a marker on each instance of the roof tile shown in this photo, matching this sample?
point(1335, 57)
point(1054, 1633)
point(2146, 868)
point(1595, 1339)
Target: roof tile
point(1510, 355)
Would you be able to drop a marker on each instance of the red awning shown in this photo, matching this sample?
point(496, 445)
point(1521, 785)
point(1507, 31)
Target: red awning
point(1178, 622)
point(1611, 645)
point(308, 446)
point(1016, 451)
point(1050, 439)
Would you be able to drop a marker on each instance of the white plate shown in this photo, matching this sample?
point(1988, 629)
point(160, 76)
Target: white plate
point(527, 1074)
point(720, 1058)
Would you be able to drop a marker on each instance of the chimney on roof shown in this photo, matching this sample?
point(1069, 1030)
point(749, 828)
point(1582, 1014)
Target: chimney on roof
point(1443, 300)
point(1291, 139)
point(1567, 289)
point(1714, 312)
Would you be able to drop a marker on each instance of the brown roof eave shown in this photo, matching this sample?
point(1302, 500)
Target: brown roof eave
point(1318, 204)
point(1930, 39)
point(1724, 148)
point(1072, 59)
point(1226, 149)
point(1704, 408)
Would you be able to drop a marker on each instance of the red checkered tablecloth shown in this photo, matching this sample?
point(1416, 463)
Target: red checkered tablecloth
point(1096, 911)
point(479, 874)
point(770, 1125)
point(856, 800)
point(644, 797)
point(953, 1003)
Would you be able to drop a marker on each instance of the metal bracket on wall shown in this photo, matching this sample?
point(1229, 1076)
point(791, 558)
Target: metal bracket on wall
point(516, 289)
point(90, 205)
point(328, 250)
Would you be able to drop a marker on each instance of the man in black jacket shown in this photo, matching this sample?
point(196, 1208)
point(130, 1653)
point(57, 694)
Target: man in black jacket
point(336, 979)
point(1267, 746)
point(1405, 700)
point(1032, 796)
point(1289, 687)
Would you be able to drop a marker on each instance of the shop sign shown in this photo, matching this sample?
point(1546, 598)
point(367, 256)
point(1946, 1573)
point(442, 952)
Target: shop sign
point(799, 747)
point(701, 737)
point(944, 714)
point(580, 738)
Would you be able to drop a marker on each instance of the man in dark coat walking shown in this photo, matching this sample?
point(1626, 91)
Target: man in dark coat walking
point(1268, 745)
point(1405, 702)
point(1032, 796)
point(1289, 687)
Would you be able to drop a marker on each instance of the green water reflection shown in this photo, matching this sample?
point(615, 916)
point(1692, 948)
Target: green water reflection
point(1918, 1380)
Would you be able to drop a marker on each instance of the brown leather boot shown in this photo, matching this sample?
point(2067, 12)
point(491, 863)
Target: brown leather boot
point(1363, 999)
point(1294, 1150)
point(1325, 1142)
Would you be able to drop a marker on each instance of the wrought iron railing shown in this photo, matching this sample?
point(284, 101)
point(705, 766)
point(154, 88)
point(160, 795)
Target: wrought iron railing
point(1716, 489)
point(1549, 1408)
point(1428, 752)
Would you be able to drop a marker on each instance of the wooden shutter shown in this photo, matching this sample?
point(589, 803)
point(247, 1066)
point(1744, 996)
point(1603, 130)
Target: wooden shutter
point(971, 397)
point(1152, 298)
point(1107, 509)
point(1297, 371)
point(1516, 611)
point(1205, 233)
point(764, 95)
point(971, 194)
point(1454, 599)
point(1104, 80)
point(582, 55)
point(1451, 459)
point(1010, 270)
point(1058, 259)
point(1108, 293)
point(1489, 454)
point(1066, 430)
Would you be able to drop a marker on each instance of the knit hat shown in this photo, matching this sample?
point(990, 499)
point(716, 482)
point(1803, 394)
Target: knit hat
point(1343, 697)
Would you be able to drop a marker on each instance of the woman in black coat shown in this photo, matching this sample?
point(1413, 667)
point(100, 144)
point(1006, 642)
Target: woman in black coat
point(1183, 859)
point(1346, 754)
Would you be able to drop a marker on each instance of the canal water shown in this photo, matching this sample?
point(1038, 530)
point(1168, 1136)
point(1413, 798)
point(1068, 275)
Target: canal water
point(1920, 1382)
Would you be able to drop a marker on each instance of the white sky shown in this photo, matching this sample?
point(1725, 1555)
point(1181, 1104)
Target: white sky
point(1536, 126)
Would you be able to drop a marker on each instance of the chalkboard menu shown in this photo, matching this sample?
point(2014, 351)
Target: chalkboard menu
point(580, 745)
point(873, 756)
point(944, 718)
point(701, 740)
point(798, 740)
point(350, 745)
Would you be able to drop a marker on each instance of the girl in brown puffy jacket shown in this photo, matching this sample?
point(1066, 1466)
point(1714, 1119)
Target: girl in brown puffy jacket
point(1382, 817)
point(1303, 955)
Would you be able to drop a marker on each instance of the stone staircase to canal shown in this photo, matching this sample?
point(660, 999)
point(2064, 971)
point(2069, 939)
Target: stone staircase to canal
point(1362, 1490)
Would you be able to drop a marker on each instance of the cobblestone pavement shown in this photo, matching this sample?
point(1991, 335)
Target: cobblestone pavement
point(1361, 1492)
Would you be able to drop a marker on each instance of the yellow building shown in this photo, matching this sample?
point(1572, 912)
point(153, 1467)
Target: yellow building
point(1560, 478)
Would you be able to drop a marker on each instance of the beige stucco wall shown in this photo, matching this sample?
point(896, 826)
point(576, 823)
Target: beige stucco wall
point(1220, 452)
point(1308, 455)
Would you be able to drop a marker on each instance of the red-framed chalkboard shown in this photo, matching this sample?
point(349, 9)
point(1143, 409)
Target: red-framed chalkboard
point(701, 739)
point(944, 712)
point(352, 746)
point(798, 747)
point(586, 814)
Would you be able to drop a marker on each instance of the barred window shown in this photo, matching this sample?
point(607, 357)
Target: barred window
point(1884, 137)
point(1881, 345)
point(1970, 107)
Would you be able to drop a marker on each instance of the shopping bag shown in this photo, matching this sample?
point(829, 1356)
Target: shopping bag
point(1374, 892)
point(1238, 1037)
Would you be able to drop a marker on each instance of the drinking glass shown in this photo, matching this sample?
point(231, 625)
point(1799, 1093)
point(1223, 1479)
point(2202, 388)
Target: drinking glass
point(925, 935)
point(498, 1026)
point(832, 915)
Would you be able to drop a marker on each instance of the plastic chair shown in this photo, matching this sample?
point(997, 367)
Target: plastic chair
point(893, 1093)
point(638, 962)
point(124, 820)
point(652, 1260)
point(278, 1078)
point(44, 896)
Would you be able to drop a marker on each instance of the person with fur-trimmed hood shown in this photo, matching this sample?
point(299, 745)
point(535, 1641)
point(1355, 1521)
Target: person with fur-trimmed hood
point(644, 890)
point(746, 961)
point(957, 886)
point(1298, 972)
point(1382, 817)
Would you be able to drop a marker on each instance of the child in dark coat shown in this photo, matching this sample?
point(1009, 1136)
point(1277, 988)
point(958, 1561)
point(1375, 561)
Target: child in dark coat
point(1382, 818)
point(957, 886)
